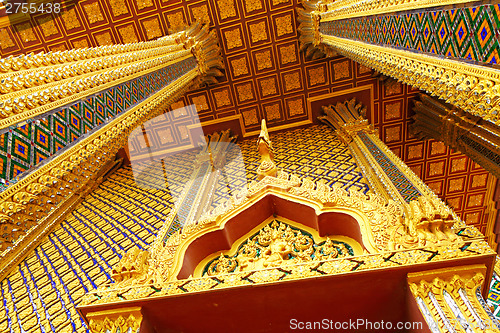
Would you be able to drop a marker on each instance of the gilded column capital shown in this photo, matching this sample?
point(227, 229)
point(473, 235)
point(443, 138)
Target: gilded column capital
point(310, 41)
point(450, 299)
point(347, 118)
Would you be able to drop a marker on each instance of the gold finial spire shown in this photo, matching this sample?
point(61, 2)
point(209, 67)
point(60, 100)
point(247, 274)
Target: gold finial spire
point(267, 166)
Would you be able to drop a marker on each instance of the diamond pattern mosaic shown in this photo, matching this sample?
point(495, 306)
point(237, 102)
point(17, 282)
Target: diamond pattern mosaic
point(468, 33)
point(128, 209)
point(24, 147)
point(494, 295)
point(404, 187)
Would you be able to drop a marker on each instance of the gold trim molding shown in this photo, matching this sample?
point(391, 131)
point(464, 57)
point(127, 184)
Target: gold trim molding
point(473, 88)
point(449, 297)
point(331, 10)
point(116, 294)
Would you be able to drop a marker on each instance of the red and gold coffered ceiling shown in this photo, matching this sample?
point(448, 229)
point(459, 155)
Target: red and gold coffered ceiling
point(266, 77)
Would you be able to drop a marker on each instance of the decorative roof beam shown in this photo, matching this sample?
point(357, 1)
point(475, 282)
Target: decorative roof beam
point(470, 87)
point(332, 10)
point(471, 135)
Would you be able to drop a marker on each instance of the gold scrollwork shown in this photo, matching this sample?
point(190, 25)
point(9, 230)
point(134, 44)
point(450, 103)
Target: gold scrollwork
point(115, 321)
point(277, 245)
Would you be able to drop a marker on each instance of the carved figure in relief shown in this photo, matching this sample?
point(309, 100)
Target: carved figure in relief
point(275, 245)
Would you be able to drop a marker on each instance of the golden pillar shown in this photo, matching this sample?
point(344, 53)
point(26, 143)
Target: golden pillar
point(35, 85)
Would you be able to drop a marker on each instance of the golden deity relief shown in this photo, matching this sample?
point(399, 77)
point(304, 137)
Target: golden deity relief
point(277, 245)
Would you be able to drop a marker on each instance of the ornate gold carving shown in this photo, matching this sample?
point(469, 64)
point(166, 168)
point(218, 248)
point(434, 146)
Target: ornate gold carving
point(276, 245)
point(311, 269)
point(116, 320)
point(5, 40)
point(428, 220)
point(176, 21)
point(310, 39)
point(233, 38)
point(55, 83)
point(288, 54)
point(263, 60)
point(226, 9)
point(118, 7)
point(268, 87)
point(296, 107)
point(26, 32)
point(104, 39)
point(341, 70)
point(272, 111)
point(201, 103)
point(250, 117)
point(283, 25)
point(251, 5)
point(70, 19)
point(393, 111)
point(292, 81)
point(94, 13)
point(152, 28)
point(258, 31)
point(392, 134)
point(453, 292)
point(222, 98)
point(141, 4)
point(132, 265)
point(26, 202)
point(267, 166)
point(277, 2)
point(316, 75)
point(239, 66)
point(128, 34)
point(200, 14)
point(245, 92)
point(338, 10)
point(472, 88)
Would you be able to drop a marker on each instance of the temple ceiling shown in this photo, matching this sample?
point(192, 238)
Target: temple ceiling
point(266, 77)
